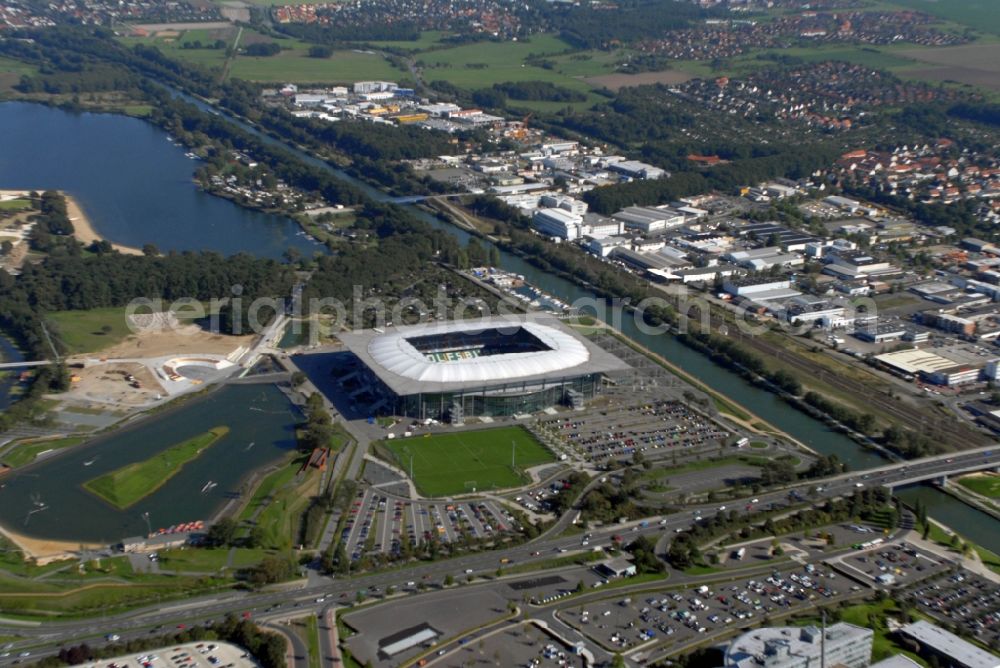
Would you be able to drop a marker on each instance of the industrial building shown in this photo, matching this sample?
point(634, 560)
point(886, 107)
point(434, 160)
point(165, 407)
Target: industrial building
point(649, 219)
point(950, 650)
point(793, 647)
point(493, 367)
point(557, 223)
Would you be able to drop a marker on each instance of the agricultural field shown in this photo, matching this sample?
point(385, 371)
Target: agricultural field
point(978, 14)
point(90, 331)
point(126, 486)
point(294, 64)
point(473, 66)
point(447, 464)
point(976, 64)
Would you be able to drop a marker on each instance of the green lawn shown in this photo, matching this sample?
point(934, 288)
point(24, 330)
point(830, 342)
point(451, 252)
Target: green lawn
point(24, 453)
point(280, 519)
point(131, 483)
point(206, 560)
point(268, 485)
point(987, 485)
point(81, 331)
point(15, 205)
point(446, 464)
point(700, 465)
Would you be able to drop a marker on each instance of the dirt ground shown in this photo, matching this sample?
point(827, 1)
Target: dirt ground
point(106, 383)
point(616, 81)
point(976, 64)
point(45, 551)
point(186, 340)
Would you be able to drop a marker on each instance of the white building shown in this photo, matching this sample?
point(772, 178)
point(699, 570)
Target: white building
point(603, 247)
point(637, 170)
point(648, 219)
point(791, 647)
point(365, 87)
point(557, 223)
point(599, 227)
point(949, 648)
point(565, 202)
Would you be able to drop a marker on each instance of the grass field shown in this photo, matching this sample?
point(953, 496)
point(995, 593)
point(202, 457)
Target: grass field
point(131, 483)
point(24, 453)
point(987, 485)
point(294, 64)
point(15, 205)
point(978, 14)
point(81, 331)
point(446, 464)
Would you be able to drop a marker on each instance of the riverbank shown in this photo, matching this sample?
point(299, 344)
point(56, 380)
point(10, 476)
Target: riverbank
point(45, 550)
point(85, 232)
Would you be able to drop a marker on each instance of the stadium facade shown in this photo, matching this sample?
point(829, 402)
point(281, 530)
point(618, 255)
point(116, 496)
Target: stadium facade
point(497, 366)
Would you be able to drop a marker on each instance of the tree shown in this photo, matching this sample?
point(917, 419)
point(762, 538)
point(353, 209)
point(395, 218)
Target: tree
point(150, 250)
point(256, 537)
point(298, 378)
point(320, 51)
point(222, 532)
point(449, 580)
point(270, 570)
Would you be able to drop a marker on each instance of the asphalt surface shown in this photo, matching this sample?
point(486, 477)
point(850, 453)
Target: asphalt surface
point(46, 638)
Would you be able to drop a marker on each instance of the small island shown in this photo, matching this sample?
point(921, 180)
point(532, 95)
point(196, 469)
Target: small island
point(126, 486)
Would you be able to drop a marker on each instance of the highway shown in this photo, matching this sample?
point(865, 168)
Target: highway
point(302, 601)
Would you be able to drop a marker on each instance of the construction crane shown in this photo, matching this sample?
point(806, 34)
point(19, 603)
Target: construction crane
point(522, 131)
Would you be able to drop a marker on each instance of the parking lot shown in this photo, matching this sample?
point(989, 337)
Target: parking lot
point(967, 600)
point(891, 564)
point(190, 655)
point(377, 522)
point(445, 616)
point(680, 616)
point(655, 428)
point(522, 645)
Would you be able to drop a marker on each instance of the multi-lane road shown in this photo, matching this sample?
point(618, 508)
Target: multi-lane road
point(304, 600)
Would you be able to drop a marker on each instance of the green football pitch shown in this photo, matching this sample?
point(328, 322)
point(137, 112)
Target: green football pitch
point(468, 461)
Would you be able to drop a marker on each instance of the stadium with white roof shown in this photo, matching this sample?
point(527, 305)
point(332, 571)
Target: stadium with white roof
point(492, 367)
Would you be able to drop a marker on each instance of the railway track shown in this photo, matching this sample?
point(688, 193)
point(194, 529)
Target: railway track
point(955, 434)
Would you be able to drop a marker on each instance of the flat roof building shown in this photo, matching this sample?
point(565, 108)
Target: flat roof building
point(793, 647)
point(951, 650)
point(557, 223)
point(648, 219)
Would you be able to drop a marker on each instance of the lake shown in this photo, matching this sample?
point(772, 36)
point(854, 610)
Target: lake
point(134, 185)
point(262, 430)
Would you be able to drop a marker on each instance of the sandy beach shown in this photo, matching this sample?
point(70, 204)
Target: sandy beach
point(85, 232)
point(43, 550)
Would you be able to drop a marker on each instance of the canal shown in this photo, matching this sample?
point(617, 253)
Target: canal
point(812, 432)
point(47, 500)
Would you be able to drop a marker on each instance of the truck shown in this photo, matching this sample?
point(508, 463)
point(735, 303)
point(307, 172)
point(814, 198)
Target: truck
point(739, 554)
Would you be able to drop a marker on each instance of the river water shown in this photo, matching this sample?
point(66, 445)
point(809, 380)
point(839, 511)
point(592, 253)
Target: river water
point(133, 184)
point(47, 499)
point(800, 426)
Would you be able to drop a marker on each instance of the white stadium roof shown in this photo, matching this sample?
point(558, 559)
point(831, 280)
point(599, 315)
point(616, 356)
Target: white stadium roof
point(394, 353)
point(406, 370)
